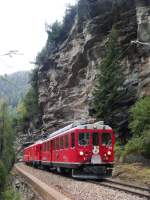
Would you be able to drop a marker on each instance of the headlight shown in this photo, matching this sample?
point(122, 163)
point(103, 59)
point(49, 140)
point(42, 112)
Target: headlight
point(109, 153)
point(81, 153)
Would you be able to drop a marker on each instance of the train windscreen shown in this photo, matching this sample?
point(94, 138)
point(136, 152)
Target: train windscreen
point(107, 139)
point(95, 139)
point(84, 139)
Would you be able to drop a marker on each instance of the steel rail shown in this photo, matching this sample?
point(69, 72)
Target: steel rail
point(127, 184)
point(133, 189)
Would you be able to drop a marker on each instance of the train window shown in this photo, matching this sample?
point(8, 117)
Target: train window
point(67, 141)
point(57, 143)
point(61, 143)
point(44, 146)
point(106, 139)
point(84, 139)
point(48, 146)
point(95, 139)
point(72, 140)
point(54, 144)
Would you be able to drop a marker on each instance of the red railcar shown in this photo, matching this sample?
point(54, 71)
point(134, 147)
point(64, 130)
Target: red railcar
point(85, 150)
point(32, 154)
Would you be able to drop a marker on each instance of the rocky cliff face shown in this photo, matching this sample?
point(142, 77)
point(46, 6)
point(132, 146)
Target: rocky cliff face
point(143, 46)
point(67, 78)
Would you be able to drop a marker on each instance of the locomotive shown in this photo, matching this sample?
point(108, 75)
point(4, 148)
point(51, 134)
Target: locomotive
point(84, 150)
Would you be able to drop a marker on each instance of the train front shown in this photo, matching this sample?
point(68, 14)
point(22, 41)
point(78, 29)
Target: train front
point(95, 148)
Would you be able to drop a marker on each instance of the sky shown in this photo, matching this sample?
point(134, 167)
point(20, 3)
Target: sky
point(22, 28)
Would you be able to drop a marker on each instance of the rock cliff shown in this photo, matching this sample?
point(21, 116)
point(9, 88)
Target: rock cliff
point(67, 78)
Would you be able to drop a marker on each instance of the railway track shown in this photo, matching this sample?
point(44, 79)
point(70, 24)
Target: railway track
point(132, 189)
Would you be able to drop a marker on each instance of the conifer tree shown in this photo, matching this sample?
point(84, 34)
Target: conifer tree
point(6, 137)
point(109, 91)
point(6, 144)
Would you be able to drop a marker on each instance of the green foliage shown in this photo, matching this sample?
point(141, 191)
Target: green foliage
point(29, 109)
point(109, 88)
point(54, 31)
point(118, 151)
point(7, 137)
point(140, 127)
point(2, 176)
point(10, 194)
point(68, 21)
point(57, 33)
point(6, 144)
point(41, 56)
point(140, 116)
point(133, 146)
point(146, 144)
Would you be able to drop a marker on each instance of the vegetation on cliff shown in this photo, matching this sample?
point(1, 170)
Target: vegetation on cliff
point(109, 92)
point(28, 111)
point(140, 127)
point(57, 33)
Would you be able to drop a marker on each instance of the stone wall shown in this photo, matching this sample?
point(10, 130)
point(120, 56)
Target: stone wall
point(25, 189)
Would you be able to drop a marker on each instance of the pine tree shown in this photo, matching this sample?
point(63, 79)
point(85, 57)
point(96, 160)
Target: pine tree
point(6, 144)
point(6, 137)
point(28, 111)
point(109, 91)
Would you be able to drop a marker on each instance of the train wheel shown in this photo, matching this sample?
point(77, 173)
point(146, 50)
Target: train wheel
point(61, 170)
point(58, 169)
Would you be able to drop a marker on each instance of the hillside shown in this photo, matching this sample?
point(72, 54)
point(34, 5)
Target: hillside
point(14, 87)
point(67, 73)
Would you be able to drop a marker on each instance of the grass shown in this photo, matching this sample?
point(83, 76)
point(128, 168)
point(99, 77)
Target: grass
point(134, 173)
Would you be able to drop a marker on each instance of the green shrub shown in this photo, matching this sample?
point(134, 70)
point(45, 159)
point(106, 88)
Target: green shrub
point(138, 145)
point(133, 146)
point(109, 91)
point(54, 31)
point(146, 144)
point(118, 151)
point(2, 176)
point(140, 116)
point(140, 127)
point(10, 194)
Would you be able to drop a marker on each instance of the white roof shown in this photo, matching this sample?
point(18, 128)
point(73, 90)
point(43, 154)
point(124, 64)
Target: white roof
point(76, 125)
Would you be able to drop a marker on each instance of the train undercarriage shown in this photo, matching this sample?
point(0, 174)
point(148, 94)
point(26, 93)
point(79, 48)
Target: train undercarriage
point(86, 171)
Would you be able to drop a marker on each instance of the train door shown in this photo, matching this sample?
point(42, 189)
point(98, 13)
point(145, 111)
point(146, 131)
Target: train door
point(51, 147)
point(84, 146)
point(40, 153)
point(53, 150)
point(96, 157)
point(49, 151)
point(106, 146)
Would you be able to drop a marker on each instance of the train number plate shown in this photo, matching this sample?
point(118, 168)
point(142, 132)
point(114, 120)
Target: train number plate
point(96, 159)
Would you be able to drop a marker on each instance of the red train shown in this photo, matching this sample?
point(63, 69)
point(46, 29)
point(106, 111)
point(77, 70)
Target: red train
point(85, 150)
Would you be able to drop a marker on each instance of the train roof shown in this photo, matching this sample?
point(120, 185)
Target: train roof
point(72, 127)
point(34, 144)
point(77, 125)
